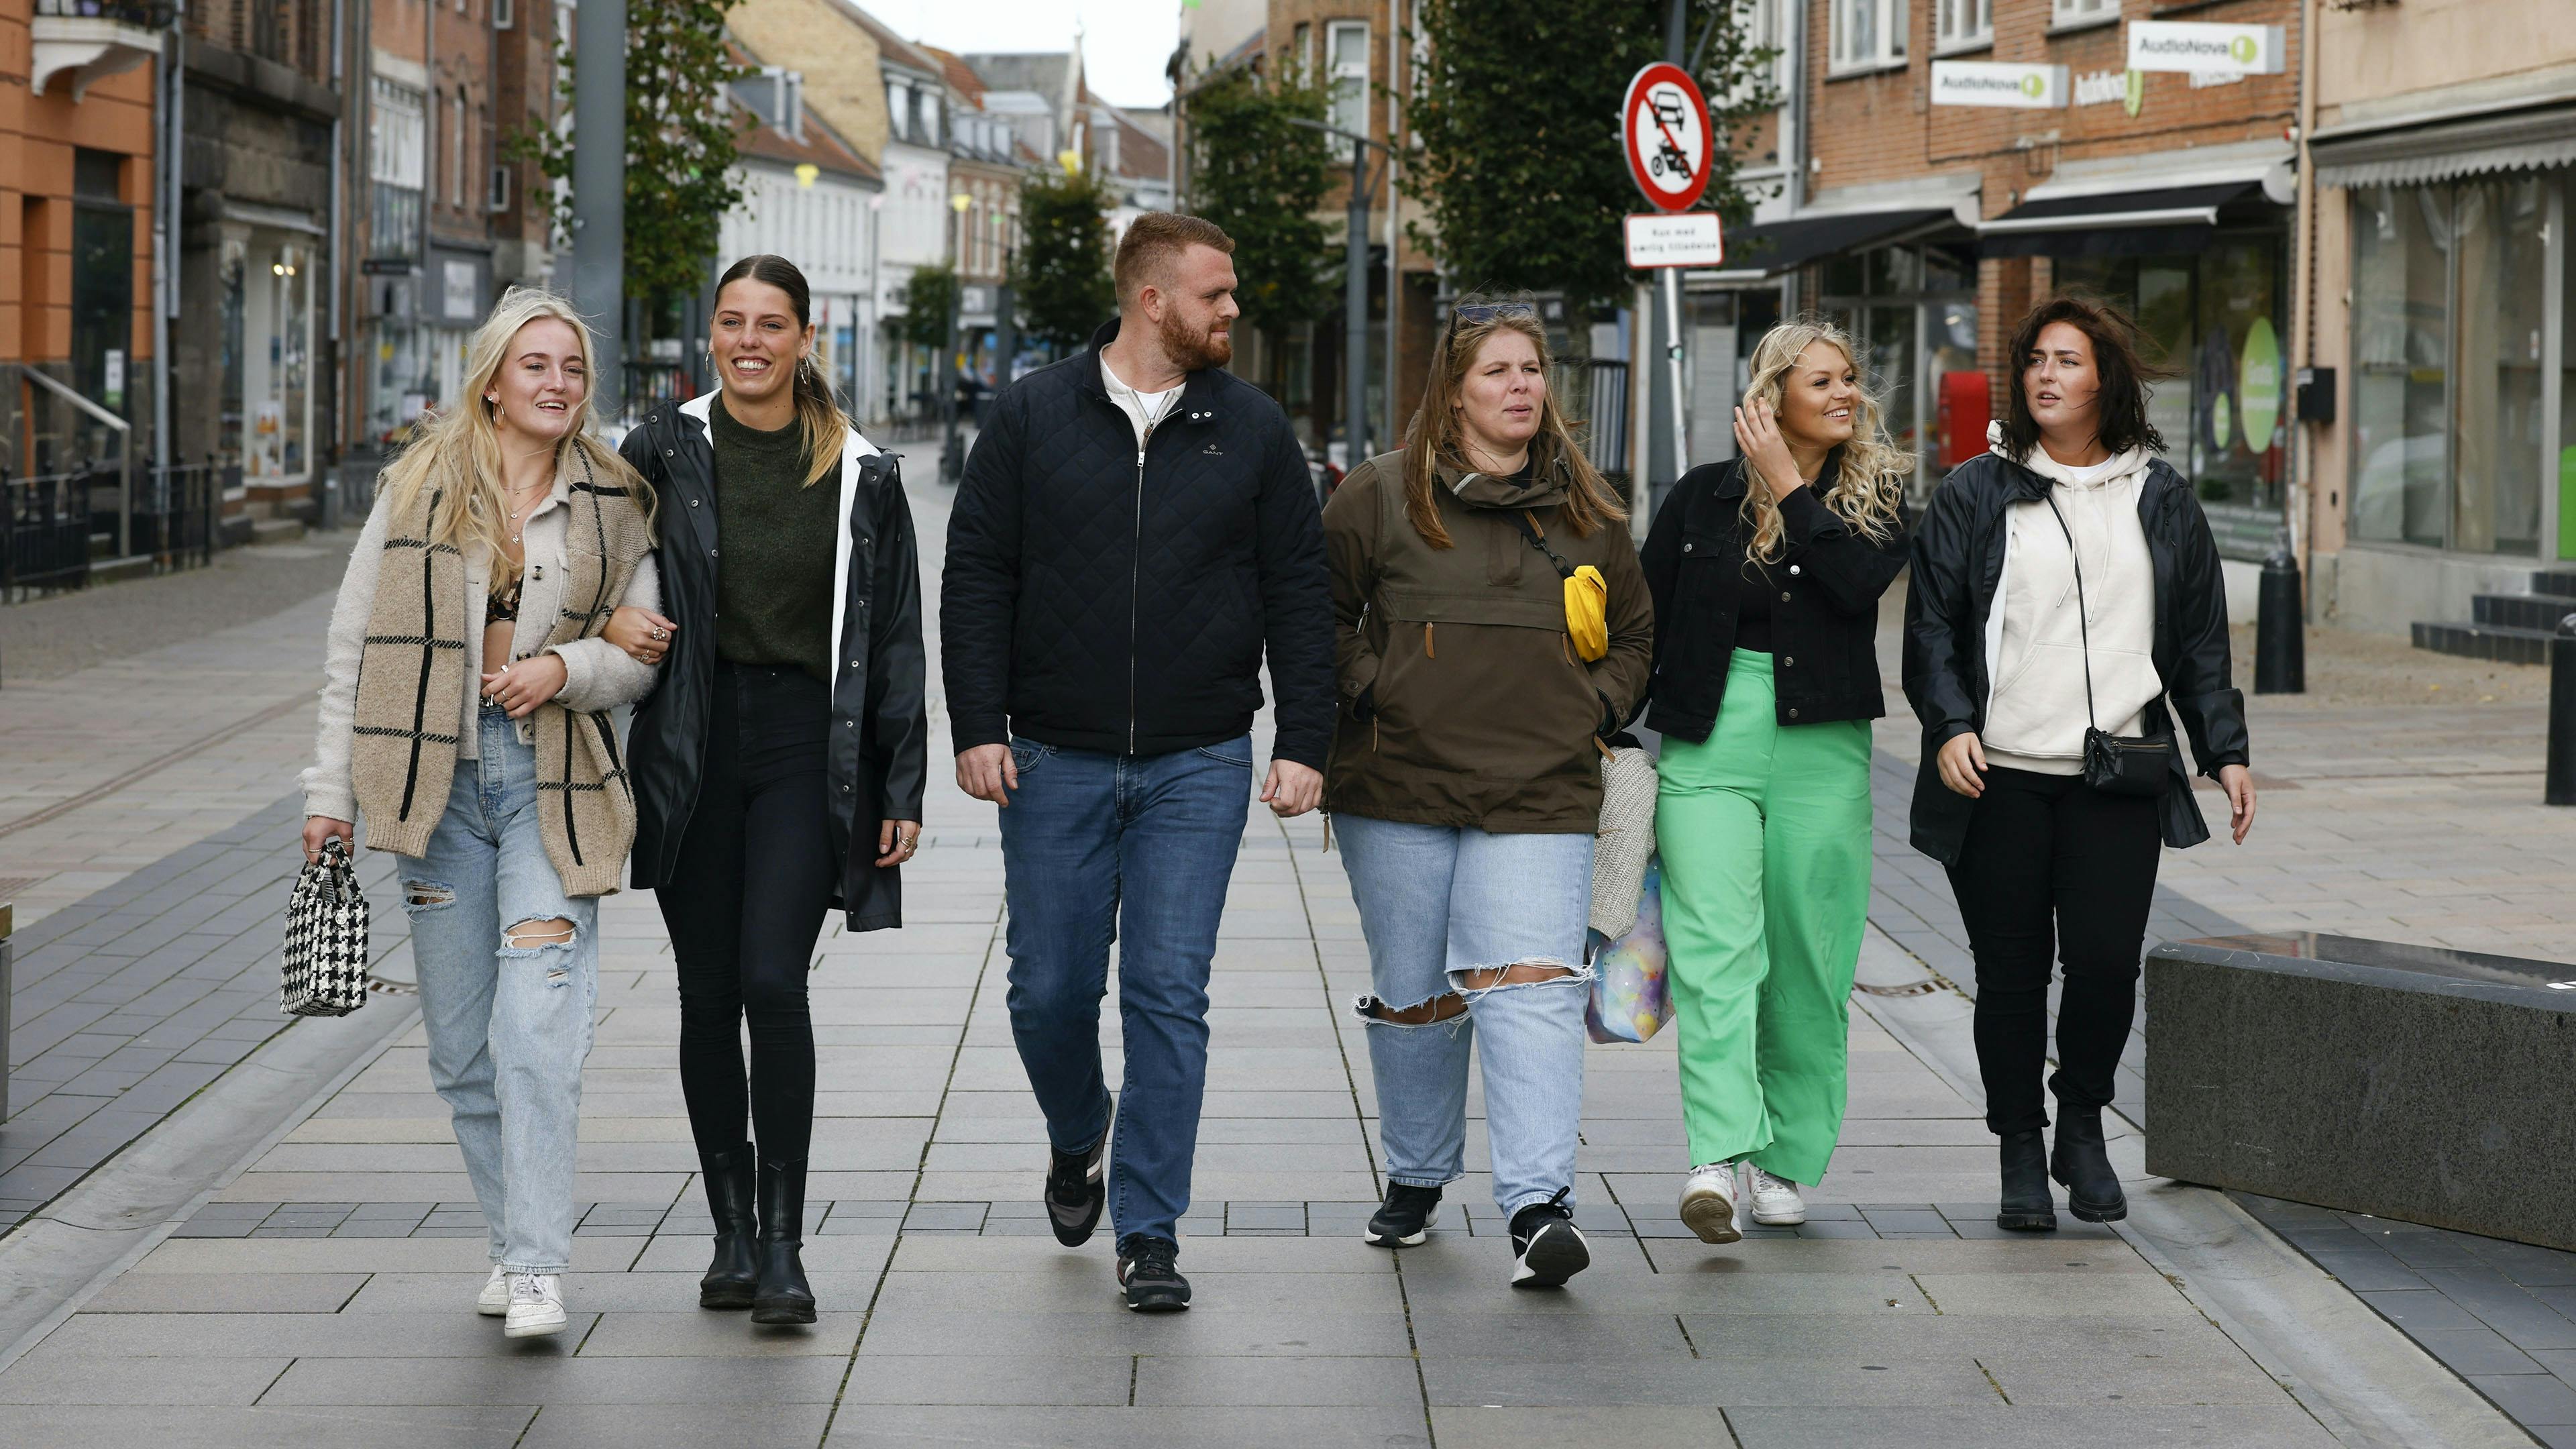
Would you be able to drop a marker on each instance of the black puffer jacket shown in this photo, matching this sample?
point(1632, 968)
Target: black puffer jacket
point(1824, 619)
point(1958, 560)
point(1102, 597)
point(879, 746)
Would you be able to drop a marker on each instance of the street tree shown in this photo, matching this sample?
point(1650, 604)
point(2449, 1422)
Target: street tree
point(929, 299)
point(1060, 272)
point(1522, 167)
point(682, 130)
point(1262, 177)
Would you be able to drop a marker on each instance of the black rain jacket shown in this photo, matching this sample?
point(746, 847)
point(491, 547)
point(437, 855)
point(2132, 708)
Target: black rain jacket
point(878, 750)
point(1958, 560)
point(1824, 623)
point(1098, 596)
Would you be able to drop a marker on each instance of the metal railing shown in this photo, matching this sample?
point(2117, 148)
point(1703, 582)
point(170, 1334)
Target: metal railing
point(175, 520)
point(44, 534)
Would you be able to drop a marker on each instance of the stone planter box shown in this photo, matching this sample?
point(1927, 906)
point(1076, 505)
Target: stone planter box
point(2408, 1082)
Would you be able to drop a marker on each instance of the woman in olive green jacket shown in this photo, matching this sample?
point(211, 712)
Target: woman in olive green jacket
point(1465, 779)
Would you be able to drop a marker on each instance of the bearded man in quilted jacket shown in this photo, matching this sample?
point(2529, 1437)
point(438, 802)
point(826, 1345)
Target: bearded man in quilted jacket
point(1135, 530)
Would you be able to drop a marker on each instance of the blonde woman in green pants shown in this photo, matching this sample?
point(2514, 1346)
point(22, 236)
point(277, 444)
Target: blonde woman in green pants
point(1766, 572)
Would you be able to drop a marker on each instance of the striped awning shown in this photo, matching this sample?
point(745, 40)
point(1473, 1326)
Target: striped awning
point(2414, 155)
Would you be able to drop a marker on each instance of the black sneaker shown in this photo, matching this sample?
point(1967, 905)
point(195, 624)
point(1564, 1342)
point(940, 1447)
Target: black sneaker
point(1406, 1219)
point(1546, 1247)
point(1074, 1192)
point(1146, 1270)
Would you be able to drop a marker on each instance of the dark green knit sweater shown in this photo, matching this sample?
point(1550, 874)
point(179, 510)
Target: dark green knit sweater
point(774, 581)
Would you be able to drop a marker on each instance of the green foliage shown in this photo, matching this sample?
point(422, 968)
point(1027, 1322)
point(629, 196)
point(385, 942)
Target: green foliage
point(1522, 166)
point(680, 145)
point(1263, 180)
point(1060, 272)
point(927, 302)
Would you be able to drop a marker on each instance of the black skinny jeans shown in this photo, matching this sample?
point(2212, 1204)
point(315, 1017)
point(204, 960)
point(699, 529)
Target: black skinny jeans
point(2047, 850)
point(745, 904)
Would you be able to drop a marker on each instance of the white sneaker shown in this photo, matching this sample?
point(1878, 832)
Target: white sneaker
point(1708, 1203)
point(536, 1305)
point(494, 1300)
point(1775, 1200)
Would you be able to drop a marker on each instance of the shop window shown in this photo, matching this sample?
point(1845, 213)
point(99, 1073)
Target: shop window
point(1868, 34)
point(2448, 389)
point(1346, 48)
point(505, 14)
point(1964, 24)
point(1914, 312)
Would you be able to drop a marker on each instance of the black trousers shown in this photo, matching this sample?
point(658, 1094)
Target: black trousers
point(2050, 863)
point(754, 881)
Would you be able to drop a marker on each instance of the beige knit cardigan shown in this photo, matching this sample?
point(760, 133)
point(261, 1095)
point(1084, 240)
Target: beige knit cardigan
point(414, 665)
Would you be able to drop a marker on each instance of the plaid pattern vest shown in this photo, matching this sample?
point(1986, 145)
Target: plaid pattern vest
point(412, 674)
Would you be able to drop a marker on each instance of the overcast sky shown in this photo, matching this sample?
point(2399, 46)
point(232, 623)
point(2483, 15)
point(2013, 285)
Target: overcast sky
point(1124, 42)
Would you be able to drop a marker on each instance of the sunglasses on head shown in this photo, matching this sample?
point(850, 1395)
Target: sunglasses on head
point(1489, 311)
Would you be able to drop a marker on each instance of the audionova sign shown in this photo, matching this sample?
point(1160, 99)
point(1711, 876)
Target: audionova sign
point(2202, 49)
point(1998, 83)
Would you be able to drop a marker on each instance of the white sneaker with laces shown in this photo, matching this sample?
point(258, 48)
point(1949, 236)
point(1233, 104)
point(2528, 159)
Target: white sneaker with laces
point(536, 1305)
point(1708, 1203)
point(494, 1300)
point(1775, 1200)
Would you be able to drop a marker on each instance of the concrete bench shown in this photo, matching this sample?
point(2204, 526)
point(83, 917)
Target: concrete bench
point(2408, 1082)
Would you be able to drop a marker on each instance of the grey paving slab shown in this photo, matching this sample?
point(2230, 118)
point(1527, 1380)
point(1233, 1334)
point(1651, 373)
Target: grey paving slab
point(1092, 1379)
point(547, 1374)
point(227, 1293)
point(674, 1426)
point(72, 1376)
point(1122, 1428)
point(2039, 1427)
point(202, 1426)
point(686, 1331)
point(1324, 1382)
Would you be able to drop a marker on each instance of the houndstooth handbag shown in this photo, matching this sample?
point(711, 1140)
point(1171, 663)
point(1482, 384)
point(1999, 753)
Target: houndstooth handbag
point(325, 960)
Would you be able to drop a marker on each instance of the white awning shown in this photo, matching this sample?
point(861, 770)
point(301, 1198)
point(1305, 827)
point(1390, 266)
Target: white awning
point(2413, 155)
point(2270, 164)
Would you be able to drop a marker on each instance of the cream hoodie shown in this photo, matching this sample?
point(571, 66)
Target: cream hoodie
point(2035, 713)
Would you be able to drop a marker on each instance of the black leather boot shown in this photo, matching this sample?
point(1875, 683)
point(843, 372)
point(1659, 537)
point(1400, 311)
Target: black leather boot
point(2026, 1206)
point(734, 1270)
point(2082, 1163)
point(782, 1294)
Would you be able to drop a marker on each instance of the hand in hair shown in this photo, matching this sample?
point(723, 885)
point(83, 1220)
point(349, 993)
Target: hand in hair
point(1757, 436)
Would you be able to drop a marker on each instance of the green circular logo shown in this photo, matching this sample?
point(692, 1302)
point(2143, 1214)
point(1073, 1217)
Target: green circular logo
point(2258, 384)
point(2032, 85)
point(2220, 428)
point(2243, 48)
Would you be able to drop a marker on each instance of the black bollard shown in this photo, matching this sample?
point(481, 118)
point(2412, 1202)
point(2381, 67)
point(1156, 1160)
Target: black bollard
point(2280, 634)
point(2561, 786)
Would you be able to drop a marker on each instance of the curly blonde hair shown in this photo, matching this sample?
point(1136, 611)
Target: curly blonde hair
point(1869, 481)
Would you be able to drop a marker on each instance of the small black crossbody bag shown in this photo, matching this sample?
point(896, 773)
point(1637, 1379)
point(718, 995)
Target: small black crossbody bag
point(2113, 764)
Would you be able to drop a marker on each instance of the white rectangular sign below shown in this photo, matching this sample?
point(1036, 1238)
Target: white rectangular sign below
point(1998, 83)
point(1679, 239)
point(2205, 49)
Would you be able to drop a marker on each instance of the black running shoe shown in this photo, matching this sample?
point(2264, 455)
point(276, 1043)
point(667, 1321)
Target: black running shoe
point(1546, 1247)
point(1074, 1192)
point(1405, 1220)
point(1146, 1269)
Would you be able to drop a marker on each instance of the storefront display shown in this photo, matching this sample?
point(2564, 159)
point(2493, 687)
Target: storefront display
point(1914, 311)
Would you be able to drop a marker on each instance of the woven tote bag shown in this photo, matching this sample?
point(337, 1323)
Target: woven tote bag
point(1626, 840)
point(324, 965)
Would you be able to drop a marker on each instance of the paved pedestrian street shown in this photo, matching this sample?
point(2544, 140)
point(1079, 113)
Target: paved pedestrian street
point(289, 1257)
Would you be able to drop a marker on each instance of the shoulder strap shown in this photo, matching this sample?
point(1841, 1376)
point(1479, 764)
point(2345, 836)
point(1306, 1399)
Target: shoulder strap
point(2083, 630)
point(1528, 524)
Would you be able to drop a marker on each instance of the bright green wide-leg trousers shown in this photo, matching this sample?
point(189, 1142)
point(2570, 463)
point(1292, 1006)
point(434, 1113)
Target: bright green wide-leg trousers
point(1764, 830)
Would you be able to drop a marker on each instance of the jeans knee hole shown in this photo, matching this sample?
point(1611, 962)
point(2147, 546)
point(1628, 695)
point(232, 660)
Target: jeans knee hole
point(1436, 1011)
point(427, 895)
point(538, 937)
point(1518, 976)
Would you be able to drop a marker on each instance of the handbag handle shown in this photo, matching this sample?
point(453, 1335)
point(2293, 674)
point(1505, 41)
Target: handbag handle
point(2084, 631)
point(336, 870)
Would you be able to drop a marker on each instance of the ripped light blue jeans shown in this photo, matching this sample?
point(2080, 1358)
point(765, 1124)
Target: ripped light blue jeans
point(1436, 901)
point(507, 1000)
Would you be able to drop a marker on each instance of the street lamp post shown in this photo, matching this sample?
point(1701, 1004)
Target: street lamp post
point(952, 466)
point(1355, 296)
point(599, 193)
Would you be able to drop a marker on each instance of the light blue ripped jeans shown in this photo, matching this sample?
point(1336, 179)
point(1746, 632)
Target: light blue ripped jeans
point(1438, 900)
point(509, 1024)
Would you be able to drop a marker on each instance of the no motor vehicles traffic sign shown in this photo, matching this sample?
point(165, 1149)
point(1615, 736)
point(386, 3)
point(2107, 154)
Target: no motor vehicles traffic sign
point(1666, 123)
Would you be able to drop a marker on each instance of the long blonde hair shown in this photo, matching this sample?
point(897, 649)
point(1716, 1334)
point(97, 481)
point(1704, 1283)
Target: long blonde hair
point(1435, 435)
point(457, 453)
point(1870, 472)
point(818, 408)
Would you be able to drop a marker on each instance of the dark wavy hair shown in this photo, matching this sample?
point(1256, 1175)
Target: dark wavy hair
point(2126, 376)
point(817, 407)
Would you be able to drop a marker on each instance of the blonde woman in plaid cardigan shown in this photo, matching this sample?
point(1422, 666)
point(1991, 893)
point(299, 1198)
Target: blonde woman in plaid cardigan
point(465, 719)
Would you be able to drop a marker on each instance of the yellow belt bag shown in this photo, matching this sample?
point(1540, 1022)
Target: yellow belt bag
point(1587, 595)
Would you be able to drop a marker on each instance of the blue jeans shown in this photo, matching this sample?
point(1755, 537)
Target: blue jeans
point(1436, 901)
point(1137, 849)
point(508, 1025)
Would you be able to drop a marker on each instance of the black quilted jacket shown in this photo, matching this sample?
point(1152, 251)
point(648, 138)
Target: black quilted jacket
point(1101, 598)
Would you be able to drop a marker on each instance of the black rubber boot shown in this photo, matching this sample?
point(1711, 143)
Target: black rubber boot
point(734, 1270)
point(2026, 1206)
point(782, 1294)
point(2082, 1163)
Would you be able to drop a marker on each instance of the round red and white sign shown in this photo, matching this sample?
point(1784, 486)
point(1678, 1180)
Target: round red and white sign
point(1669, 148)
